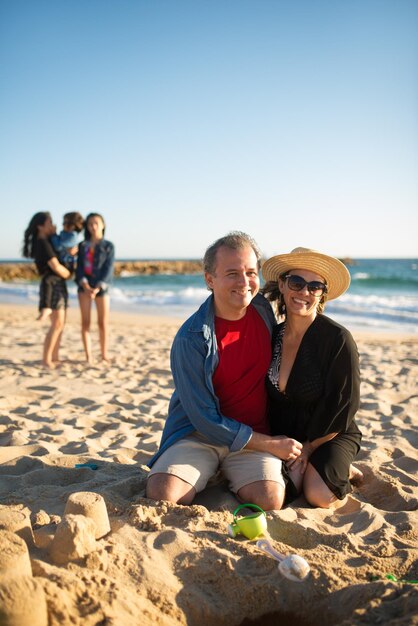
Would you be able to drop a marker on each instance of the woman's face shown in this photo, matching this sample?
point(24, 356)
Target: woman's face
point(302, 303)
point(95, 227)
point(46, 229)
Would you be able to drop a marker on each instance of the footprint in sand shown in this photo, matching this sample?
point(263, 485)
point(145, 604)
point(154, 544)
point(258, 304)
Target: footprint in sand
point(386, 495)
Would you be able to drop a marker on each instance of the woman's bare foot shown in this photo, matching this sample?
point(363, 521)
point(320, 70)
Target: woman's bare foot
point(50, 365)
point(44, 315)
point(356, 476)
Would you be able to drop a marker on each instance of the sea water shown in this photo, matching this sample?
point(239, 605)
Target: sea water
point(383, 295)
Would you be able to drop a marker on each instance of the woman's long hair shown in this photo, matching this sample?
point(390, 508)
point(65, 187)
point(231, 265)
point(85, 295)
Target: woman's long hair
point(272, 293)
point(31, 234)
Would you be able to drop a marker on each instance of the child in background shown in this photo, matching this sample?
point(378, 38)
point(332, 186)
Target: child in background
point(66, 243)
point(66, 246)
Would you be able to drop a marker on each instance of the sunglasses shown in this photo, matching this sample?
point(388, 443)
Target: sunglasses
point(297, 283)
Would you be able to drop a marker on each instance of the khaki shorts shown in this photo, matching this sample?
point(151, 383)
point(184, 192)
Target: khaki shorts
point(195, 461)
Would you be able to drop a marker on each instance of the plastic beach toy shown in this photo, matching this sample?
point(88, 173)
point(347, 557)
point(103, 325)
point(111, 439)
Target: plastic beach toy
point(92, 466)
point(293, 566)
point(251, 526)
point(394, 579)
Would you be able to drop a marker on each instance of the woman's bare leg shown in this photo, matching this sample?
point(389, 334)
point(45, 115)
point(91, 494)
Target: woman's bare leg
point(316, 491)
point(53, 337)
point(85, 310)
point(356, 476)
point(55, 351)
point(103, 307)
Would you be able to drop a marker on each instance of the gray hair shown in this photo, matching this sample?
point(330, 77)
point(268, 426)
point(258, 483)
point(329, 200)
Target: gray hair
point(235, 240)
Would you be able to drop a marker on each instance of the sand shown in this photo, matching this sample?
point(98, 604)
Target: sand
point(170, 565)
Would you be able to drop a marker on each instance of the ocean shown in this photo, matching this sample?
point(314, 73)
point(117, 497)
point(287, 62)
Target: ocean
point(383, 295)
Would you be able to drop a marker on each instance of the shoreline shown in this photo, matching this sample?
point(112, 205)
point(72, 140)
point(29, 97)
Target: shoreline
point(157, 315)
point(116, 316)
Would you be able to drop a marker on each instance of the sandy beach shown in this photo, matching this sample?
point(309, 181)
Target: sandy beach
point(170, 565)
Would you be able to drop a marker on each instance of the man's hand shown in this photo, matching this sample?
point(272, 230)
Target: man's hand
point(285, 448)
point(282, 447)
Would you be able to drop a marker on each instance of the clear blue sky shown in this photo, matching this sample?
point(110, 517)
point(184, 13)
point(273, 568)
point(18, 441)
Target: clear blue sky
point(179, 120)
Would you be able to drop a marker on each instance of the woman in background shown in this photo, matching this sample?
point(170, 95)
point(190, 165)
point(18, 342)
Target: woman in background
point(94, 272)
point(37, 246)
point(313, 381)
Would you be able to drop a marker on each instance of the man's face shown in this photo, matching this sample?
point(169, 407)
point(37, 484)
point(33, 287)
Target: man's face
point(235, 281)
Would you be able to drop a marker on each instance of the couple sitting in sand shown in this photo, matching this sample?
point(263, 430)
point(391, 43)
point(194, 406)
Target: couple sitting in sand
point(271, 405)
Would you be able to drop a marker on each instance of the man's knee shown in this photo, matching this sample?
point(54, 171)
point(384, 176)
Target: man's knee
point(267, 494)
point(158, 487)
point(170, 488)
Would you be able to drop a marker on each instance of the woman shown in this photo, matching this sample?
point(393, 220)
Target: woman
point(313, 381)
point(94, 272)
point(36, 245)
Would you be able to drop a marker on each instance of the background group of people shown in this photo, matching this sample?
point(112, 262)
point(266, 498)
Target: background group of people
point(57, 257)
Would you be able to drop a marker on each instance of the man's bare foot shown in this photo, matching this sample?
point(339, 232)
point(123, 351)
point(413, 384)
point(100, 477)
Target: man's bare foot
point(44, 314)
point(356, 476)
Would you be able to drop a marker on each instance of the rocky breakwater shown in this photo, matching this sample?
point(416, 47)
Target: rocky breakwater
point(129, 268)
point(10, 272)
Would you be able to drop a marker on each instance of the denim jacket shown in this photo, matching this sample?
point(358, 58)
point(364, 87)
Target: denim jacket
point(103, 260)
point(194, 405)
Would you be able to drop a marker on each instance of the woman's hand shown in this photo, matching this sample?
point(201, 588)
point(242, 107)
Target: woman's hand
point(91, 291)
point(301, 463)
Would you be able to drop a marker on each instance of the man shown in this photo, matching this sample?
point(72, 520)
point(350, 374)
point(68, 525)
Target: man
point(217, 414)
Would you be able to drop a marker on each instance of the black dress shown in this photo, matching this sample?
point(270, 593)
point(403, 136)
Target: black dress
point(53, 292)
point(322, 396)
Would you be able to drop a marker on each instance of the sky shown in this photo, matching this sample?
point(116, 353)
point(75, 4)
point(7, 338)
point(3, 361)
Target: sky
point(295, 121)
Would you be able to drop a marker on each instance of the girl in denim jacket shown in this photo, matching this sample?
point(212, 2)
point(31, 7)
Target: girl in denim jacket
point(94, 272)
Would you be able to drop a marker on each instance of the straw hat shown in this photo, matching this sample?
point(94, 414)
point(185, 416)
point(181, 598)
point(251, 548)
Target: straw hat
point(332, 270)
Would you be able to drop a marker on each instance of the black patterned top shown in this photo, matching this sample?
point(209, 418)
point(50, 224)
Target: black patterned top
point(323, 390)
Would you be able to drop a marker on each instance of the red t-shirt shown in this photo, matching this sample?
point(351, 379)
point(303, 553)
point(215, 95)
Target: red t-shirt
point(239, 380)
